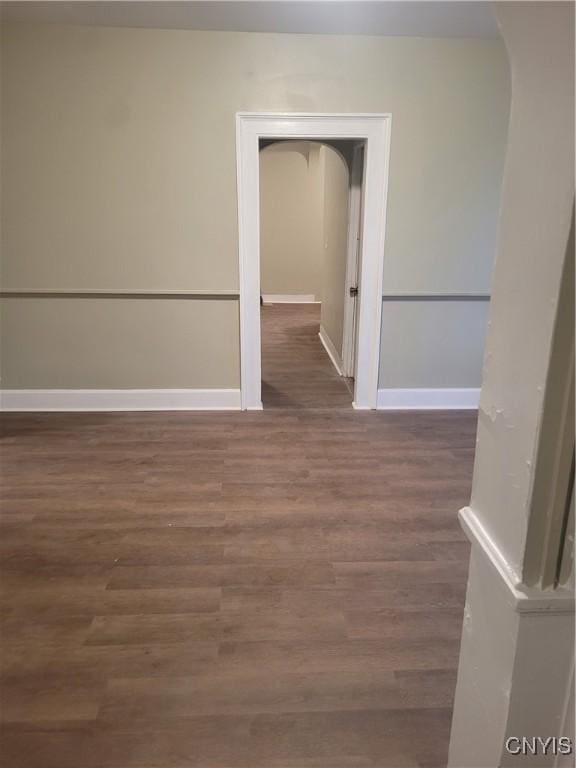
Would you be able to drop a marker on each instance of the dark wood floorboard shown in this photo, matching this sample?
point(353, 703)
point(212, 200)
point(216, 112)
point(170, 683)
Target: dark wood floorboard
point(231, 590)
point(296, 369)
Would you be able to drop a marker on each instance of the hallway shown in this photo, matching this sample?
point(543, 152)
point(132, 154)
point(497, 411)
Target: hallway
point(241, 590)
point(296, 369)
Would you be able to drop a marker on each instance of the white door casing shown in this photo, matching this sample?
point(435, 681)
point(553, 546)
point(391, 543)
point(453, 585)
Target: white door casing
point(374, 131)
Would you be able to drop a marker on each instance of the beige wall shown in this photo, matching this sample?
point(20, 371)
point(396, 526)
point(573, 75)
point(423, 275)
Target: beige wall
point(118, 171)
point(132, 343)
point(436, 344)
point(336, 180)
point(291, 219)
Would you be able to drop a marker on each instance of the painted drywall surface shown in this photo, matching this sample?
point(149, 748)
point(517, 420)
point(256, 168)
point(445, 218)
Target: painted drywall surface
point(119, 343)
point(118, 151)
point(534, 229)
point(508, 689)
point(511, 692)
point(489, 651)
point(336, 179)
point(446, 342)
point(569, 726)
point(539, 690)
point(552, 468)
point(291, 219)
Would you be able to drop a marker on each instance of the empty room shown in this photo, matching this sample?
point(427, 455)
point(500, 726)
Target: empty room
point(286, 384)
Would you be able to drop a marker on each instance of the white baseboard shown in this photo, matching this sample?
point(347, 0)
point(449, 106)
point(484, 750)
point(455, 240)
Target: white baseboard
point(119, 399)
point(331, 350)
point(213, 399)
point(289, 298)
point(427, 399)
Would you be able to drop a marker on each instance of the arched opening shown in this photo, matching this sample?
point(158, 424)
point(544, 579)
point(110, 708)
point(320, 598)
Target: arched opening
point(309, 231)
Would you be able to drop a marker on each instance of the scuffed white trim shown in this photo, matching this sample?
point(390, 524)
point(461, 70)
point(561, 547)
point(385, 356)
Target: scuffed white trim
point(331, 350)
point(119, 399)
point(289, 298)
point(522, 598)
point(427, 399)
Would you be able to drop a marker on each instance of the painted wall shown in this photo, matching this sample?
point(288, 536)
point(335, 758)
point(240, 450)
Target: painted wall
point(118, 172)
point(504, 688)
point(135, 343)
point(429, 343)
point(336, 184)
point(291, 202)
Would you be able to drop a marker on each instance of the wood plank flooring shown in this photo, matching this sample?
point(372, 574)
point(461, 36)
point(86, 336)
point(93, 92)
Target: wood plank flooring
point(231, 590)
point(296, 370)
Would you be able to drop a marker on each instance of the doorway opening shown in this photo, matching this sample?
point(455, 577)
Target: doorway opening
point(310, 233)
point(361, 344)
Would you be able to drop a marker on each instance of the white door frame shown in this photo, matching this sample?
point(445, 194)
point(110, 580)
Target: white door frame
point(374, 130)
point(352, 259)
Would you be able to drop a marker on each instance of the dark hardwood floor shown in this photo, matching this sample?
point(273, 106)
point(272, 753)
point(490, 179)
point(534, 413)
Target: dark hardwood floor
point(296, 370)
point(232, 590)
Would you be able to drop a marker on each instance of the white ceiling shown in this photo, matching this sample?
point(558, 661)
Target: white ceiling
point(357, 17)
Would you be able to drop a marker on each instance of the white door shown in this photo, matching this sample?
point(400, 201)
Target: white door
point(352, 292)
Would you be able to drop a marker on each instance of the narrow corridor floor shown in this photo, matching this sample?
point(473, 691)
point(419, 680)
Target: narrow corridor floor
point(296, 369)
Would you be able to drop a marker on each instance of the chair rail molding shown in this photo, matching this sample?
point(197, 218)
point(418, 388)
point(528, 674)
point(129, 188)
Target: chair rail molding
point(435, 296)
point(116, 293)
point(521, 598)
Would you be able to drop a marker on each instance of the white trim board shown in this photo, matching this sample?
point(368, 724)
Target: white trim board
point(427, 399)
point(331, 350)
point(119, 400)
point(374, 130)
point(352, 252)
point(289, 298)
point(522, 598)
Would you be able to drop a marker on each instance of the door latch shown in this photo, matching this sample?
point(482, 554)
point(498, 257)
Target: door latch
point(353, 290)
